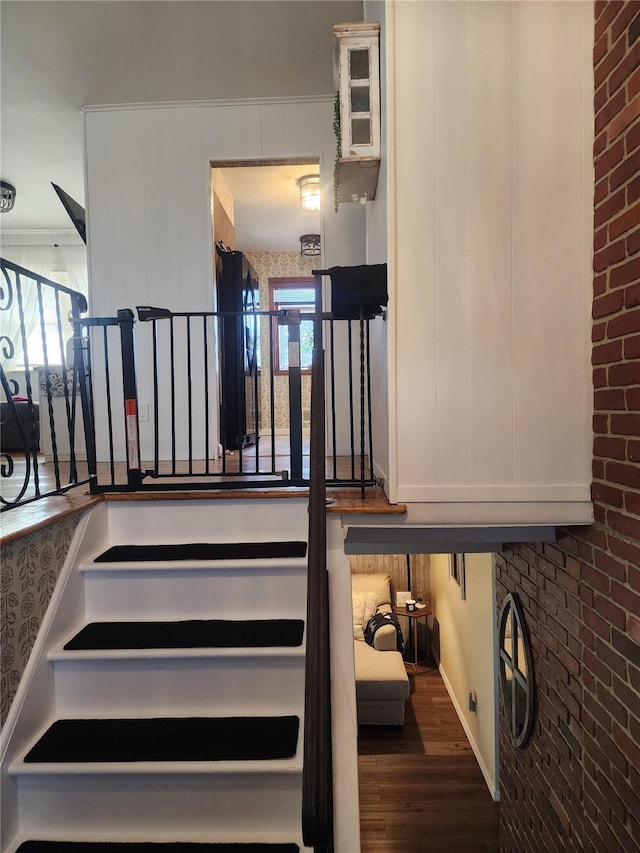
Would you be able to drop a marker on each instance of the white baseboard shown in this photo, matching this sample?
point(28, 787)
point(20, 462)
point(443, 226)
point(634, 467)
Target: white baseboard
point(488, 777)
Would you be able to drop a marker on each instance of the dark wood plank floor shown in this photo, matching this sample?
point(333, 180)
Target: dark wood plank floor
point(421, 789)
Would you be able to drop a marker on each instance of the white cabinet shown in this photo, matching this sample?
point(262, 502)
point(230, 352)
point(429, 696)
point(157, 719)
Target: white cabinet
point(357, 73)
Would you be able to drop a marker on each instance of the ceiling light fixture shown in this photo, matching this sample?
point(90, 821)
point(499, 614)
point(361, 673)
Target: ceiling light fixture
point(310, 244)
point(310, 192)
point(7, 196)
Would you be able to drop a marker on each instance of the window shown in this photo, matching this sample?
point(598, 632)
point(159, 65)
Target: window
point(516, 670)
point(63, 264)
point(292, 293)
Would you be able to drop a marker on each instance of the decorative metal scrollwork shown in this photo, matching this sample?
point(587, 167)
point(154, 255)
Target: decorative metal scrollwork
point(7, 467)
point(11, 416)
point(8, 349)
point(6, 293)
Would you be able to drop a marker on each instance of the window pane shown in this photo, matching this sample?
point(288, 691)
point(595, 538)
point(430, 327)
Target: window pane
point(360, 131)
point(292, 295)
point(285, 296)
point(359, 64)
point(360, 102)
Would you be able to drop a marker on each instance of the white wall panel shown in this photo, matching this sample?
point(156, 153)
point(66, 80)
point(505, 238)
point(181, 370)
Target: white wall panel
point(491, 198)
point(162, 172)
point(194, 225)
point(135, 252)
point(228, 127)
point(548, 242)
point(413, 252)
point(451, 252)
point(488, 234)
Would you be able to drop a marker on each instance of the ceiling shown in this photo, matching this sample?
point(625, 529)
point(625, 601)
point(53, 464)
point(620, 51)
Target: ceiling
point(59, 55)
point(267, 212)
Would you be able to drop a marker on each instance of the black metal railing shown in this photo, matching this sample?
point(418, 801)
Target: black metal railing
point(173, 397)
point(317, 774)
point(42, 441)
point(199, 410)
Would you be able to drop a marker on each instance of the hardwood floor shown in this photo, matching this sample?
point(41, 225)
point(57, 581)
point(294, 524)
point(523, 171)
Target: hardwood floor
point(421, 790)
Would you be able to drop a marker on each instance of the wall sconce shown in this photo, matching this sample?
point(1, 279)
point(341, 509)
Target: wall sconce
point(7, 196)
point(310, 192)
point(310, 244)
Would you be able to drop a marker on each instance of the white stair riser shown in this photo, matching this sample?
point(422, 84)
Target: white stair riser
point(195, 595)
point(184, 687)
point(233, 520)
point(174, 803)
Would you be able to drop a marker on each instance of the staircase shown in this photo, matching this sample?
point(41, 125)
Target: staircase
point(162, 708)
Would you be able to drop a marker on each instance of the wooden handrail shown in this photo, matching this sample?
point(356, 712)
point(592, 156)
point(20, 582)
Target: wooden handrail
point(317, 785)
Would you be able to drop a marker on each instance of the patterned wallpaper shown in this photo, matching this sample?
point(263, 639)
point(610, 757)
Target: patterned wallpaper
point(278, 265)
point(30, 567)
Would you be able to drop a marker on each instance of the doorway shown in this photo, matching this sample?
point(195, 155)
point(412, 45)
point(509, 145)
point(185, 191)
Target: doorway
point(257, 213)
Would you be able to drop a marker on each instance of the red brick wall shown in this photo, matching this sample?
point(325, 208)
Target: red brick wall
point(576, 785)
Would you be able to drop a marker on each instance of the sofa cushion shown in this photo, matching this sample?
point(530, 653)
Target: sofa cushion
point(379, 675)
point(364, 605)
point(378, 582)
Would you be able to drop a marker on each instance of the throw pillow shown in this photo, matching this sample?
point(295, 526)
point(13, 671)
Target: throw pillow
point(364, 605)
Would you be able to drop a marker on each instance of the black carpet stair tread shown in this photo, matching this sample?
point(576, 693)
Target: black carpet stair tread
point(150, 847)
point(203, 551)
point(168, 739)
point(189, 634)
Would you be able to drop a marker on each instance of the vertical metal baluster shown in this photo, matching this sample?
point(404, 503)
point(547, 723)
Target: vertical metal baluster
point(333, 399)
point(76, 310)
point(47, 375)
point(65, 391)
point(205, 343)
point(222, 325)
point(173, 397)
point(362, 419)
point(27, 376)
point(351, 425)
point(272, 400)
point(126, 322)
point(156, 401)
point(189, 398)
point(369, 400)
point(256, 391)
point(240, 393)
point(295, 395)
point(107, 377)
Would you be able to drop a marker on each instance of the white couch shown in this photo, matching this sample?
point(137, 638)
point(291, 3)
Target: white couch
point(382, 684)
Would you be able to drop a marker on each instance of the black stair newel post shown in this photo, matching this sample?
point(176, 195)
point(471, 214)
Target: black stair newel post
point(290, 317)
point(362, 403)
point(126, 322)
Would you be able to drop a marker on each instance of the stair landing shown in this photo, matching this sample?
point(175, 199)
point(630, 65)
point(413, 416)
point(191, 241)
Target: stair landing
point(39, 514)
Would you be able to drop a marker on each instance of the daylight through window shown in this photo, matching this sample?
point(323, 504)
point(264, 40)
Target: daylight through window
point(292, 293)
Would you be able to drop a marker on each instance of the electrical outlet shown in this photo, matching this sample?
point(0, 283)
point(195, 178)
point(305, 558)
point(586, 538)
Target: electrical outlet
point(143, 411)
